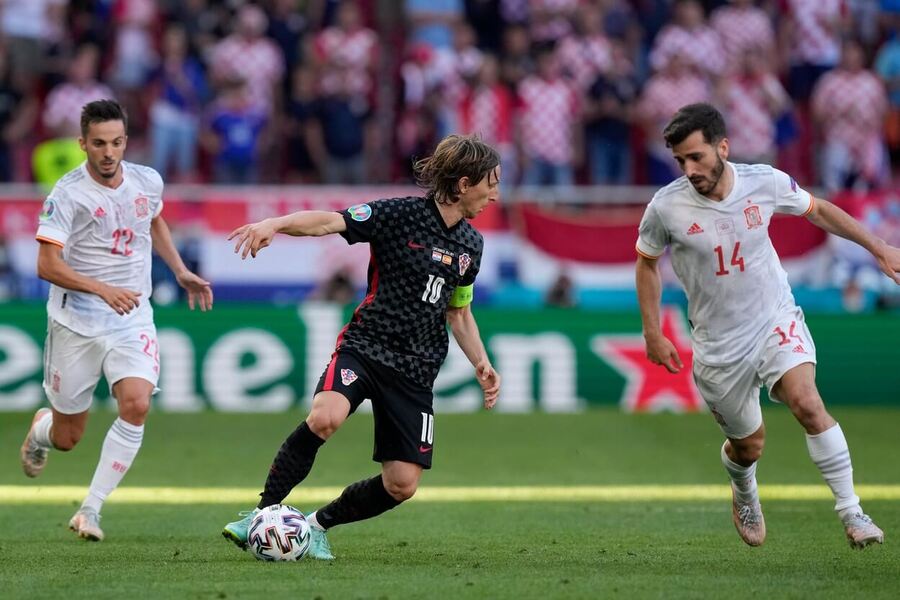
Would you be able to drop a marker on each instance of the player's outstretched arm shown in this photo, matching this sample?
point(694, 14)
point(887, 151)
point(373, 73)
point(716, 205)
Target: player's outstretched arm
point(465, 330)
point(834, 220)
point(660, 349)
point(253, 237)
point(51, 267)
point(198, 289)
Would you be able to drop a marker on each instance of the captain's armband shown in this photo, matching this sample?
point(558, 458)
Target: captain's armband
point(462, 296)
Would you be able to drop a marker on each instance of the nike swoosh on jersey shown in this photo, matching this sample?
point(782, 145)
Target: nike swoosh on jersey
point(414, 246)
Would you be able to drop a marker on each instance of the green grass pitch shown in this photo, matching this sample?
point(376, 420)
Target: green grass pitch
point(648, 543)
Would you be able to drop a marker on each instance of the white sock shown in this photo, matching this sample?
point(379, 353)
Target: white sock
point(743, 478)
point(311, 519)
point(41, 431)
point(123, 440)
point(830, 453)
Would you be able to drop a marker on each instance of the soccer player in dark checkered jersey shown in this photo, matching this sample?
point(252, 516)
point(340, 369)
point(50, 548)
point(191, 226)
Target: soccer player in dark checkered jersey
point(424, 259)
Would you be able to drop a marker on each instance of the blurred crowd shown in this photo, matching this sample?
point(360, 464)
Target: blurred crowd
point(570, 91)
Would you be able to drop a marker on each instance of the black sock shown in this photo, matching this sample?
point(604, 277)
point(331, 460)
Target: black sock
point(361, 500)
point(291, 465)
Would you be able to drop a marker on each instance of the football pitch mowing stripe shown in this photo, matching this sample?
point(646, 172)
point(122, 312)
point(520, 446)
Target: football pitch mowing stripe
point(15, 494)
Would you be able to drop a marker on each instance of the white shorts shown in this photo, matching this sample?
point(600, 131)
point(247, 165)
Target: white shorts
point(732, 392)
point(73, 363)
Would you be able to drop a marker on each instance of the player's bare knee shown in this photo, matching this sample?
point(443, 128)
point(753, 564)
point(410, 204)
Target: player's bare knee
point(65, 440)
point(322, 423)
point(810, 411)
point(401, 489)
point(134, 410)
point(748, 453)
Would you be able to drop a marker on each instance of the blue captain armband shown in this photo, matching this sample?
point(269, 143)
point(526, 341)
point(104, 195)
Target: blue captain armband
point(462, 296)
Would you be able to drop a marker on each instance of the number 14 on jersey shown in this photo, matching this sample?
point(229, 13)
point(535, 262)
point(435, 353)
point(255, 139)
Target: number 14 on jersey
point(736, 259)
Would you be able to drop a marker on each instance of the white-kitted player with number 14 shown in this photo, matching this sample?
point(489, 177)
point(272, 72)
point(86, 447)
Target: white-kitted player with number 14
point(747, 331)
point(97, 231)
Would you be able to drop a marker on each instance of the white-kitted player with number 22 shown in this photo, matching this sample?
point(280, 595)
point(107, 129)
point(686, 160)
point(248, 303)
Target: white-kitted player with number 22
point(97, 231)
point(746, 329)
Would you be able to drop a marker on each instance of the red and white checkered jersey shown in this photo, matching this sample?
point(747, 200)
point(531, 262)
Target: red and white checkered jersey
point(746, 108)
point(62, 109)
point(722, 254)
point(583, 59)
point(701, 47)
point(851, 108)
point(104, 234)
point(258, 62)
point(549, 110)
point(355, 51)
point(814, 37)
point(487, 111)
point(740, 29)
point(664, 95)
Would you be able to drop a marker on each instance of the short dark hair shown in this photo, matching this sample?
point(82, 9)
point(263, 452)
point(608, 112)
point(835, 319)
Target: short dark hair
point(101, 111)
point(455, 157)
point(695, 117)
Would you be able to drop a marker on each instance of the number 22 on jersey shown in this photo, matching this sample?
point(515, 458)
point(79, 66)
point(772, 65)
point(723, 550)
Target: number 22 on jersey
point(736, 259)
point(122, 238)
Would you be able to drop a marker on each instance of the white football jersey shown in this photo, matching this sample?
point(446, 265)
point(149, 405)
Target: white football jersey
point(723, 256)
point(104, 234)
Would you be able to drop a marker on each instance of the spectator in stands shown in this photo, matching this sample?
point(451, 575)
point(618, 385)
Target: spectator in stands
point(300, 113)
point(849, 105)
point(752, 96)
point(28, 27)
point(675, 86)
point(338, 288)
point(887, 65)
point(810, 33)
point(431, 22)
point(548, 137)
point(586, 53)
point(249, 56)
point(516, 59)
point(551, 20)
point(134, 57)
point(288, 25)
point(176, 111)
point(341, 134)
point(742, 26)
point(347, 53)
point(62, 109)
point(608, 117)
point(233, 135)
point(486, 110)
point(562, 293)
point(689, 36)
point(18, 112)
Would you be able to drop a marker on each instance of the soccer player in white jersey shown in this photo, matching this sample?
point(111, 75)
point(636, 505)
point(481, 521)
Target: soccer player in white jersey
point(747, 330)
point(96, 232)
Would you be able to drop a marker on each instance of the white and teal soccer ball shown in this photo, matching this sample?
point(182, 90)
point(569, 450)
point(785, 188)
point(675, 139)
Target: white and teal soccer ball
point(278, 532)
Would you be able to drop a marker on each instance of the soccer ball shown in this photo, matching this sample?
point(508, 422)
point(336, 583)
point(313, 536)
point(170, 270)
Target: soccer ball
point(278, 532)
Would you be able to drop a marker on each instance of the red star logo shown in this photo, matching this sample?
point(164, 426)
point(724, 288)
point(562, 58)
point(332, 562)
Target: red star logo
point(649, 387)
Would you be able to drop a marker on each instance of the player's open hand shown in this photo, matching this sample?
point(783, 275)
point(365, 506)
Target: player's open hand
point(198, 289)
point(253, 237)
point(661, 351)
point(489, 380)
point(121, 300)
point(889, 262)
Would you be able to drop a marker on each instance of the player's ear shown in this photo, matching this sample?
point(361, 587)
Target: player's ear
point(724, 148)
point(463, 184)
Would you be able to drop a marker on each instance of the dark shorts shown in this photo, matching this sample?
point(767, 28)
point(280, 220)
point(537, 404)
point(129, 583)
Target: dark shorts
point(404, 417)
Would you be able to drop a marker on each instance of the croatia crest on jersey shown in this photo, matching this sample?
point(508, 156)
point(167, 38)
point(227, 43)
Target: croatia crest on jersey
point(464, 262)
point(753, 217)
point(348, 376)
point(141, 206)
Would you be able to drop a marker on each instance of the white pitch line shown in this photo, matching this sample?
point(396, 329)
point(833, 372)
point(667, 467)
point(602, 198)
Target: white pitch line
point(21, 494)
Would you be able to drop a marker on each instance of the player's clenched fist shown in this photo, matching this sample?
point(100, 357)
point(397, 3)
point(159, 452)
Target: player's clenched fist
point(121, 300)
point(253, 237)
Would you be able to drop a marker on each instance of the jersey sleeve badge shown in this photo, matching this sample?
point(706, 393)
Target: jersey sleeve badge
point(360, 212)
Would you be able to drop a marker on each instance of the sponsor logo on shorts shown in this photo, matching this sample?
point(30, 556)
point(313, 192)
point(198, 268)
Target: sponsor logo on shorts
point(55, 381)
point(424, 449)
point(348, 376)
point(360, 212)
point(799, 349)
